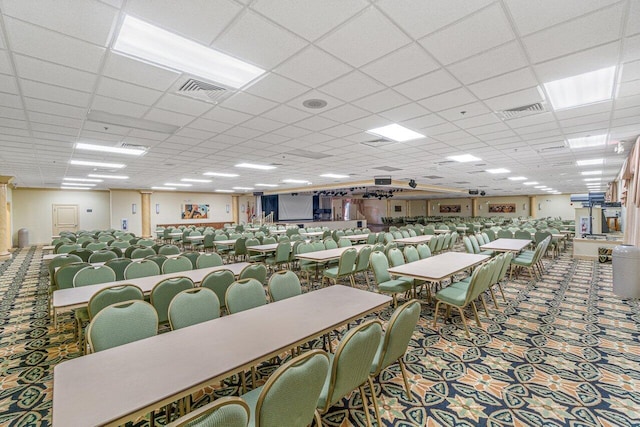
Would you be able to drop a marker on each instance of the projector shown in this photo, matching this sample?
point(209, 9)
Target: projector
point(473, 192)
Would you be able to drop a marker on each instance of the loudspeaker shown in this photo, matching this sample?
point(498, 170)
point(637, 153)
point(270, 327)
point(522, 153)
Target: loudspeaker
point(382, 181)
point(412, 183)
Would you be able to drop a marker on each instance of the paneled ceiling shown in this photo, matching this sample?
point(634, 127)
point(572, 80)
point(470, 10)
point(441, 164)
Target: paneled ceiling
point(443, 68)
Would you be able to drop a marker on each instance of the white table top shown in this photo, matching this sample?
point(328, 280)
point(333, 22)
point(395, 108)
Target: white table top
point(357, 237)
point(415, 240)
point(439, 231)
point(277, 231)
point(114, 385)
point(269, 247)
point(225, 242)
point(327, 254)
point(438, 267)
point(48, 247)
point(312, 233)
point(506, 245)
point(78, 297)
point(195, 238)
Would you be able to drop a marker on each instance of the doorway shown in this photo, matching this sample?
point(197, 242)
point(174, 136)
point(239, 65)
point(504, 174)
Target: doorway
point(65, 218)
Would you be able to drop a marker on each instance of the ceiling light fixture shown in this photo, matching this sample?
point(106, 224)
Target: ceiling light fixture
point(334, 175)
point(107, 149)
point(220, 174)
point(463, 158)
point(583, 89)
point(65, 187)
point(150, 43)
point(80, 184)
point(82, 179)
point(97, 164)
point(499, 170)
point(296, 181)
point(242, 188)
point(590, 162)
point(588, 141)
point(163, 188)
point(173, 184)
point(591, 173)
point(95, 175)
point(266, 185)
point(224, 191)
point(540, 186)
point(592, 179)
point(255, 166)
point(517, 178)
point(195, 180)
point(396, 133)
point(530, 183)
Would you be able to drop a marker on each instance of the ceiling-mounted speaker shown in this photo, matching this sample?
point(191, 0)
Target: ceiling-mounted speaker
point(412, 183)
point(382, 180)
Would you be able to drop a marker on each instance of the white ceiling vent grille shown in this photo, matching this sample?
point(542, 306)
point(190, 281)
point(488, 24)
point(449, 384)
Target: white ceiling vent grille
point(522, 111)
point(202, 90)
point(377, 143)
point(134, 146)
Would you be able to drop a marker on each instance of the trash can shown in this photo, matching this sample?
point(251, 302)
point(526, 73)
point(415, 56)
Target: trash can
point(23, 238)
point(626, 271)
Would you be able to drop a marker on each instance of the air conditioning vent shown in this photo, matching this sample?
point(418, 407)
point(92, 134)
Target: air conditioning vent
point(555, 147)
point(522, 111)
point(134, 146)
point(377, 143)
point(202, 90)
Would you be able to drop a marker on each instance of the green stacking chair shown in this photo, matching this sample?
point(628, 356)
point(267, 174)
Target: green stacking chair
point(209, 260)
point(222, 412)
point(193, 306)
point(141, 268)
point(219, 281)
point(345, 268)
point(379, 264)
point(122, 323)
point(283, 285)
point(164, 291)
point(254, 271)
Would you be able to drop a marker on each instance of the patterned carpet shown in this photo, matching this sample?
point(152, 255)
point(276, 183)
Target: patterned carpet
point(561, 352)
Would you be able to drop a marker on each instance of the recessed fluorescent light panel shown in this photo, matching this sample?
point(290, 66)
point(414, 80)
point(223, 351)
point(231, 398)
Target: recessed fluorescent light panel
point(296, 181)
point(530, 183)
point(266, 185)
point(255, 166)
point(95, 175)
point(107, 149)
point(517, 178)
point(583, 89)
point(74, 188)
point(224, 191)
point(129, 122)
point(163, 188)
point(334, 175)
point(150, 43)
point(195, 180)
point(540, 186)
point(593, 179)
point(464, 158)
point(82, 179)
point(173, 184)
point(222, 175)
point(97, 164)
point(80, 184)
point(243, 188)
point(587, 141)
point(590, 162)
point(499, 170)
point(396, 133)
point(591, 173)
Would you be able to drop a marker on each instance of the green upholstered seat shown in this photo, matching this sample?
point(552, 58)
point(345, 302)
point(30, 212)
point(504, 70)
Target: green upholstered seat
point(141, 268)
point(122, 323)
point(164, 291)
point(223, 412)
point(209, 260)
point(345, 268)
point(219, 281)
point(169, 250)
point(283, 285)
point(244, 295)
point(379, 264)
point(193, 306)
point(176, 265)
point(254, 271)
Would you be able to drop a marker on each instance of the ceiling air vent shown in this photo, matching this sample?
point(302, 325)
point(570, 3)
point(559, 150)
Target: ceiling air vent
point(522, 111)
point(377, 143)
point(202, 90)
point(134, 146)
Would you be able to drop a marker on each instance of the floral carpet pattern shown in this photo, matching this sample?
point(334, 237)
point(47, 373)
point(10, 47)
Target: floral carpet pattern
point(562, 351)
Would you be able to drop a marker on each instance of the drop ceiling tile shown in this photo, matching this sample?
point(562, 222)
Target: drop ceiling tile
point(631, 50)
point(345, 113)
point(470, 36)
point(629, 88)
point(369, 122)
point(277, 88)
point(243, 132)
point(54, 120)
point(168, 117)
point(515, 99)
point(401, 65)
point(497, 61)
point(292, 131)
point(364, 38)
point(255, 40)
point(448, 100)
point(425, 122)
point(116, 106)
point(60, 130)
point(127, 92)
point(464, 111)
point(420, 18)
point(314, 94)
point(341, 131)
point(506, 83)
point(227, 116)
point(88, 20)
point(137, 72)
point(200, 20)
point(13, 123)
point(482, 120)
point(427, 85)
point(209, 126)
point(600, 107)
point(183, 104)
point(627, 101)
point(309, 18)
point(443, 128)
point(12, 113)
point(47, 72)
point(304, 67)
point(353, 86)
point(534, 16)
point(286, 114)
point(48, 45)
point(247, 103)
point(381, 101)
point(405, 112)
point(316, 123)
point(272, 138)
point(262, 124)
point(54, 93)
point(582, 62)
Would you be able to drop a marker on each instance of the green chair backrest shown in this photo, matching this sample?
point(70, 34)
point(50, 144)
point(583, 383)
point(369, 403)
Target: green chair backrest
point(112, 295)
point(318, 246)
point(490, 234)
point(244, 295)
point(411, 254)
point(395, 257)
point(142, 253)
point(93, 275)
point(59, 261)
point(397, 335)
point(118, 265)
point(84, 254)
point(64, 275)
point(146, 242)
point(96, 246)
point(282, 400)
point(352, 362)
point(344, 242)
point(269, 240)
point(164, 291)
point(102, 256)
point(193, 257)
point(169, 250)
point(282, 252)
point(219, 281)
point(347, 262)
point(330, 244)
point(193, 306)
point(522, 234)
point(209, 260)
point(505, 234)
point(362, 261)
point(254, 271)
point(158, 259)
point(284, 284)
point(141, 268)
point(176, 265)
point(423, 251)
point(240, 247)
point(120, 244)
point(379, 264)
point(222, 412)
point(122, 323)
point(474, 243)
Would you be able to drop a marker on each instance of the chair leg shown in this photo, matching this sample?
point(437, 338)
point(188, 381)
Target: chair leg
point(475, 313)
point(365, 405)
point(317, 418)
point(484, 304)
point(376, 409)
point(464, 321)
point(493, 296)
point(502, 292)
point(403, 369)
point(435, 315)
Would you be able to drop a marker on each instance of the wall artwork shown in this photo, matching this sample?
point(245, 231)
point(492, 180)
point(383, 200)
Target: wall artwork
point(503, 208)
point(450, 208)
point(195, 211)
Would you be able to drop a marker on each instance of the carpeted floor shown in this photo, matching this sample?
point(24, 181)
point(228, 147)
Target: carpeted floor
point(563, 351)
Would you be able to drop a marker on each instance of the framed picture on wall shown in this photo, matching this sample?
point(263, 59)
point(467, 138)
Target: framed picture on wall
point(397, 208)
point(195, 211)
point(503, 208)
point(450, 208)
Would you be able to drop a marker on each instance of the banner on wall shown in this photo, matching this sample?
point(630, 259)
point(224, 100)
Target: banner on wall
point(195, 211)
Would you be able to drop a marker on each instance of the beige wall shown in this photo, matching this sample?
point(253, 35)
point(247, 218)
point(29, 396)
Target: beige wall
point(171, 207)
point(417, 208)
point(32, 209)
point(121, 208)
point(555, 205)
point(374, 210)
point(391, 210)
point(246, 203)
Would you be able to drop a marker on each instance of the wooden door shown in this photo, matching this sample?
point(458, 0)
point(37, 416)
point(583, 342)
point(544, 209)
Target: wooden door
point(65, 218)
